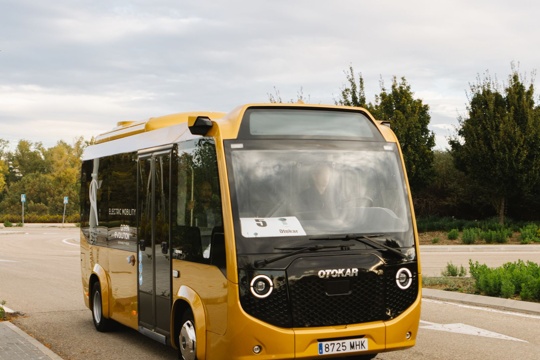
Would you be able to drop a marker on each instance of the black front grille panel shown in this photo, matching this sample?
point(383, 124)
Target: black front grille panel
point(306, 302)
point(274, 309)
point(398, 300)
point(311, 306)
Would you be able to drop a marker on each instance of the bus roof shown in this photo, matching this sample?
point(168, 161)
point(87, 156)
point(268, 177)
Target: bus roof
point(130, 136)
point(129, 128)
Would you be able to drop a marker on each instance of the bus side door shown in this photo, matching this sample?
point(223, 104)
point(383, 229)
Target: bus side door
point(154, 272)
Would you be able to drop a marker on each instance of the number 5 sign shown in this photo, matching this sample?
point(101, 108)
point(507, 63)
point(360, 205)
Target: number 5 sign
point(271, 227)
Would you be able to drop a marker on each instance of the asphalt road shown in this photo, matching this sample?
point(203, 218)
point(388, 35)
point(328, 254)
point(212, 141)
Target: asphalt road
point(435, 258)
point(40, 276)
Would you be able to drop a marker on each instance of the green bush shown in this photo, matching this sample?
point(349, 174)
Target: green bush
point(495, 236)
point(453, 234)
point(434, 223)
point(446, 224)
point(2, 311)
point(7, 223)
point(501, 236)
point(452, 270)
point(512, 279)
point(529, 233)
point(469, 236)
point(33, 218)
point(531, 290)
point(488, 236)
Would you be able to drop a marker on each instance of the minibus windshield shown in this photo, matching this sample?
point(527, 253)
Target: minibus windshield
point(291, 189)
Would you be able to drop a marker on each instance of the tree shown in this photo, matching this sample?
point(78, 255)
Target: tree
point(498, 142)
point(277, 99)
point(355, 94)
point(3, 164)
point(29, 158)
point(409, 120)
point(46, 176)
point(3, 172)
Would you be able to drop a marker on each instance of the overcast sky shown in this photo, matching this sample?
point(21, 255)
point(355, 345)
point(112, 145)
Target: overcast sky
point(71, 68)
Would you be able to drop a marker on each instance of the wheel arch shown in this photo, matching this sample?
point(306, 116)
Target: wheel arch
point(99, 275)
point(187, 299)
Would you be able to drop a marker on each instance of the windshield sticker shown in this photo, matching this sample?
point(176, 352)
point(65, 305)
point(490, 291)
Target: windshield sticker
point(271, 227)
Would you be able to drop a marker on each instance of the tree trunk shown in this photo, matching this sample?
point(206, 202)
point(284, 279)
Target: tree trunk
point(500, 210)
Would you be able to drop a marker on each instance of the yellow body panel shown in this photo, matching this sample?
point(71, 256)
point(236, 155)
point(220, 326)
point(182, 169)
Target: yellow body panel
point(123, 288)
point(118, 280)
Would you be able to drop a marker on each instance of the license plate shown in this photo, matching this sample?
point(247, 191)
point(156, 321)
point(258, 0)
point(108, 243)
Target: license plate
point(343, 346)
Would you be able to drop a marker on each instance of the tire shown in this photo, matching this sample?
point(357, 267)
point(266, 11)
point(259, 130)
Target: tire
point(187, 339)
point(101, 323)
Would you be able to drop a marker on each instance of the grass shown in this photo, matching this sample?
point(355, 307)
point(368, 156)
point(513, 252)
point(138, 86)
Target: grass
point(2, 311)
point(464, 285)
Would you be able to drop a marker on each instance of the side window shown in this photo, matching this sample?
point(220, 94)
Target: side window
point(198, 213)
point(122, 202)
point(108, 203)
point(94, 201)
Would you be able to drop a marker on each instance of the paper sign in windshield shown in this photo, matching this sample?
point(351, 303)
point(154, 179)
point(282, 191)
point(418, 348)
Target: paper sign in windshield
point(271, 227)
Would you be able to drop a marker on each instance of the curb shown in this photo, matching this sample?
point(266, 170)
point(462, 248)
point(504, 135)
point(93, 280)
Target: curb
point(483, 301)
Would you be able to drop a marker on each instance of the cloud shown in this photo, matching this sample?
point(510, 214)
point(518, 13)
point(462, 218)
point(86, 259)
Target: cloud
point(81, 66)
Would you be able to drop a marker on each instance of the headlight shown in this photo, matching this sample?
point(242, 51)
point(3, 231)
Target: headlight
point(404, 278)
point(261, 286)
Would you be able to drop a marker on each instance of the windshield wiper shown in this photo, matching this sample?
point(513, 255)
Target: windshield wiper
point(364, 239)
point(298, 250)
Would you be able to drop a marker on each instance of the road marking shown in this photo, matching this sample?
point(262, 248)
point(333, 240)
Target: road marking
point(1, 260)
point(466, 330)
point(67, 242)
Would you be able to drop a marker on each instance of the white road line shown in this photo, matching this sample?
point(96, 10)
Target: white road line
point(67, 242)
point(466, 330)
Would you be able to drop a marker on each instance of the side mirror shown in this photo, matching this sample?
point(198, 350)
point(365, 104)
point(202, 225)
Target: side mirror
point(199, 125)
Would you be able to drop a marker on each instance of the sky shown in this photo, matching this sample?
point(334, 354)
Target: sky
point(72, 68)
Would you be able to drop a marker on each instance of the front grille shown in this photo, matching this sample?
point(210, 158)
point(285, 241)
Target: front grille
point(305, 301)
point(311, 306)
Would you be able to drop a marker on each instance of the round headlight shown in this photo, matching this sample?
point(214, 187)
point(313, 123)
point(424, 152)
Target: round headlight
point(404, 278)
point(261, 286)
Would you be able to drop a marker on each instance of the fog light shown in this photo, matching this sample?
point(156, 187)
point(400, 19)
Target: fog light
point(408, 335)
point(257, 349)
point(404, 278)
point(261, 286)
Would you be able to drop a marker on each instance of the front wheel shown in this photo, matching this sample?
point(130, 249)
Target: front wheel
point(100, 322)
point(187, 340)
